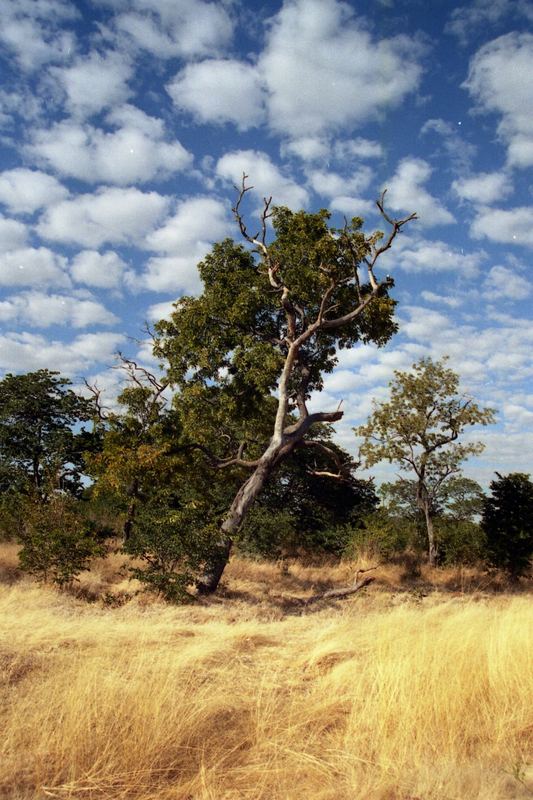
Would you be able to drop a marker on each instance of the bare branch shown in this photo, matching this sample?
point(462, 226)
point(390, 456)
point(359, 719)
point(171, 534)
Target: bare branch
point(97, 395)
point(337, 594)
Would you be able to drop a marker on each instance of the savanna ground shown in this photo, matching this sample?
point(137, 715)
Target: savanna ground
point(413, 689)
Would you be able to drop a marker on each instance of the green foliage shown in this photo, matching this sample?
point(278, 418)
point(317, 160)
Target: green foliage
point(418, 429)
point(39, 450)
point(172, 543)
point(226, 348)
point(455, 505)
point(300, 511)
point(507, 520)
point(419, 426)
point(57, 542)
point(384, 536)
point(460, 541)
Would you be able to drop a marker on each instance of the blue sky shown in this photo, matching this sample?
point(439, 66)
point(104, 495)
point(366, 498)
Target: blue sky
point(125, 123)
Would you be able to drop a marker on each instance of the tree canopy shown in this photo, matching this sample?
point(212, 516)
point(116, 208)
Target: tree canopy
point(40, 449)
point(508, 522)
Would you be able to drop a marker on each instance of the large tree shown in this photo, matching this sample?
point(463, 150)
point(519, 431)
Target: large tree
point(418, 429)
point(246, 354)
point(41, 442)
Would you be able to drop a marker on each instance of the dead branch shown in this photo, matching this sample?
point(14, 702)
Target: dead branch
point(97, 395)
point(336, 594)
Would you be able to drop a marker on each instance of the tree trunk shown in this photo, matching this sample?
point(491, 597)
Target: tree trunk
point(432, 548)
point(208, 582)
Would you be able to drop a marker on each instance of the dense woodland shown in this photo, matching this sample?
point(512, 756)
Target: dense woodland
point(220, 451)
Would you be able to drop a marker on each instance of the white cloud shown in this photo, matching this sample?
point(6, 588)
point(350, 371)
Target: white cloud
point(509, 226)
point(504, 282)
point(162, 310)
point(307, 148)
point(24, 352)
point(135, 153)
point(170, 28)
point(406, 193)
point(102, 270)
point(424, 324)
point(352, 206)
point(220, 90)
point(24, 191)
point(265, 177)
point(109, 215)
point(94, 82)
point(32, 30)
point(13, 234)
point(425, 255)
point(324, 70)
point(477, 15)
point(39, 310)
point(184, 240)
point(33, 266)
point(358, 148)
point(500, 79)
point(331, 184)
point(486, 187)
point(432, 297)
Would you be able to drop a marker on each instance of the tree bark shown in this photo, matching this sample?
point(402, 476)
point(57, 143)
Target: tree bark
point(432, 548)
point(208, 582)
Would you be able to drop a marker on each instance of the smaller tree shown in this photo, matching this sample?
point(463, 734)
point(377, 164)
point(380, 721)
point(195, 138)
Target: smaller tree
point(507, 520)
point(57, 542)
point(39, 448)
point(418, 429)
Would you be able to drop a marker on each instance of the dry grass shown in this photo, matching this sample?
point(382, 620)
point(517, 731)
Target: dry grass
point(389, 696)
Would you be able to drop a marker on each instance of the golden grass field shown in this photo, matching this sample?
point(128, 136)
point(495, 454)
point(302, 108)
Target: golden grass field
point(392, 694)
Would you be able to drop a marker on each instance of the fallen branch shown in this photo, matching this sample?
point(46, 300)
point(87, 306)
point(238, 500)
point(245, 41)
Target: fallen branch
point(334, 594)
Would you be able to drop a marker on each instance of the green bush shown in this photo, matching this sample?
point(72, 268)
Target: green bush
point(172, 544)
point(384, 536)
point(57, 543)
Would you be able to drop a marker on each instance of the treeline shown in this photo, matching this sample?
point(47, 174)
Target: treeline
point(239, 456)
point(77, 480)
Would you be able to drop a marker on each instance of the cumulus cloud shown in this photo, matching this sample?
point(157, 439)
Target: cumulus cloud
point(220, 90)
point(121, 216)
point(94, 82)
point(324, 70)
point(102, 270)
point(307, 148)
point(406, 193)
point(484, 188)
point(24, 191)
point(136, 152)
point(13, 234)
point(182, 242)
point(266, 177)
point(39, 310)
point(33, 266)
point(171, 28)
point(499, 79)
point(508, 226)
point(331, 184)
point(26, 352)
point(505, 282)
point(426, 255)
point(33, 30)
point(467, 20)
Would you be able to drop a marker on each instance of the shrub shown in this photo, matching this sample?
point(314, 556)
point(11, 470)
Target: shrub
point(172, 544)
point(57, 543)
